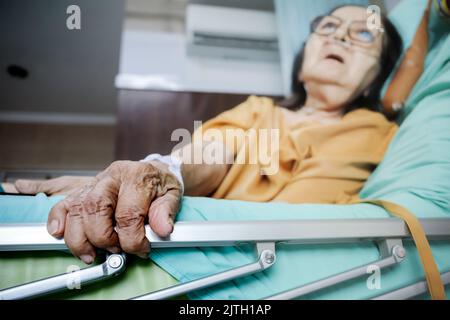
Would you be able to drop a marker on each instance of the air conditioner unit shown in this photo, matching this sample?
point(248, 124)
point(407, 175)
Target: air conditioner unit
point(231, 33)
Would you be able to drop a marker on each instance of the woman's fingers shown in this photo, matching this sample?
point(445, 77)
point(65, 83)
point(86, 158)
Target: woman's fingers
point(57, 219)
point(67, 184)
point(66, 219)
point(131, 211)
point(98, 213)
point(162, 212)
point(74, 234)
point(61, 185)
point(30, 186)
point(8, 187)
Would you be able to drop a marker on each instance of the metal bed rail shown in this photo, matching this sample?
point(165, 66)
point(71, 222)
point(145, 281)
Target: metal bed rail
point(388, 233)
point(412, 291)
point(28, 237)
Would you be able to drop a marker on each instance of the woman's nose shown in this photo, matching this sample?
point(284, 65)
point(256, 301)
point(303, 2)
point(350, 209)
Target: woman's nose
point(341, 33)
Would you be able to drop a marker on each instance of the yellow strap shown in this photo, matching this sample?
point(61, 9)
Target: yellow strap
point(432, 274)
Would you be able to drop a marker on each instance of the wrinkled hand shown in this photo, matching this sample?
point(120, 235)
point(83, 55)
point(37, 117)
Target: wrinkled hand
point(110, 211)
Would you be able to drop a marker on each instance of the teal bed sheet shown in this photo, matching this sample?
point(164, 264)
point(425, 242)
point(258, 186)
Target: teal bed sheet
point(296, 264)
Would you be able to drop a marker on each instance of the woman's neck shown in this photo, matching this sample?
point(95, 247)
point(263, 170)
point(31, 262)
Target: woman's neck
point(314, 106)
point(308, 114)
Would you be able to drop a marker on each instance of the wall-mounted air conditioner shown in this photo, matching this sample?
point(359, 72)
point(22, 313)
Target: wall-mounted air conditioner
point(231, 33)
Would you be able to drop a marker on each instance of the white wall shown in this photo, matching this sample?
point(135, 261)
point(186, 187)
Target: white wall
point(152, 58)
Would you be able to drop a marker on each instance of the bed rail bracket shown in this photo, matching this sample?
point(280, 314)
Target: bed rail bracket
point(266, 258)
point(392, 252)
point(113, 265)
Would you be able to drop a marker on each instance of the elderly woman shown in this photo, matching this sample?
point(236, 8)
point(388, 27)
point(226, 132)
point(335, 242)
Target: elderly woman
point(329, 138)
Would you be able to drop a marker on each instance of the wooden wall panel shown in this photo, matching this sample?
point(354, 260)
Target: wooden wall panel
point(146, 119)
point(25, 146)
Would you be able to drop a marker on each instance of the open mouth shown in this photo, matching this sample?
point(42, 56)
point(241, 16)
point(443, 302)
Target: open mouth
point(335, 57)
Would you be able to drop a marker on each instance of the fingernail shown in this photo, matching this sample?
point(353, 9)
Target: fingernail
point(171, 226)
point(53, 227)
point(88, 259)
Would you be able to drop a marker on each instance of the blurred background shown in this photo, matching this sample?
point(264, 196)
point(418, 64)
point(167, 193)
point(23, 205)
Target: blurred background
point(73, 101)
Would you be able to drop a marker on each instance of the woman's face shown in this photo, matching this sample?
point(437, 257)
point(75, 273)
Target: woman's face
point(341, 58)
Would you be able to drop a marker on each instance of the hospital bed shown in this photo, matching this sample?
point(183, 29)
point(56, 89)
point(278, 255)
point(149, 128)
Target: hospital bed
point(336, 235)
point(302, 251)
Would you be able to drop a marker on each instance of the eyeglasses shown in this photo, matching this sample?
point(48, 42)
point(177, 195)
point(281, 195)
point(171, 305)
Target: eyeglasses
point(358, 31)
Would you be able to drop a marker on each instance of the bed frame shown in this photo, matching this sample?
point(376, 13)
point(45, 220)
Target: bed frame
point(387, 233)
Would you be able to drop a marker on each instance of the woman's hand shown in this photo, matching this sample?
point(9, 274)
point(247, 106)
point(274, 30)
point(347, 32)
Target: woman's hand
point(58, 186)
point(110, 210)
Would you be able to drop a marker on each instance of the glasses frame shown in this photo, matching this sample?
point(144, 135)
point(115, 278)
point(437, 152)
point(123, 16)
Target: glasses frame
point(315, 23)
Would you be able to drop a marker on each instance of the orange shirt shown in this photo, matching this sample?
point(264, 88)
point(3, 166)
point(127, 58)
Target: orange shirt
point(310, 162)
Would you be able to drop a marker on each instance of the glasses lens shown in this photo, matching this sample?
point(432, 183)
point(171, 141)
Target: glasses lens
point(360, 33)
point(327, 25)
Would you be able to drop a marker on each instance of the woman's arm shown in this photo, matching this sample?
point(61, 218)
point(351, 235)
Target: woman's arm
point(204, 177)
point(200, 179)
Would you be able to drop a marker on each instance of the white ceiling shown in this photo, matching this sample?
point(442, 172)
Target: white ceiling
point(70, 71)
